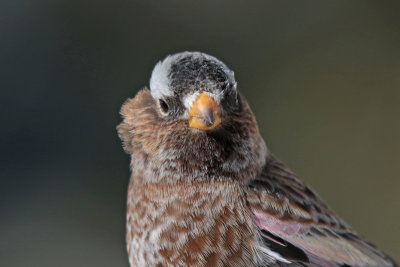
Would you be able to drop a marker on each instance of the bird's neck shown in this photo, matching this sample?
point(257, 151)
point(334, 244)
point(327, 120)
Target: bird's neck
point(188, 216)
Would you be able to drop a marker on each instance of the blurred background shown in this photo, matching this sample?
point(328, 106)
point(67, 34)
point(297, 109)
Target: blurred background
point(323, 79)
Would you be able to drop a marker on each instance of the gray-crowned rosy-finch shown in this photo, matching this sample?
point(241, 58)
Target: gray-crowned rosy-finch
point(205, 190)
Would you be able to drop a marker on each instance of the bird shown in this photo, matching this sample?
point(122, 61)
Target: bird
point(204, 188)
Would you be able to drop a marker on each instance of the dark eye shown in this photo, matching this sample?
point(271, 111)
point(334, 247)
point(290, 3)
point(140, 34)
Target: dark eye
point(164, 107)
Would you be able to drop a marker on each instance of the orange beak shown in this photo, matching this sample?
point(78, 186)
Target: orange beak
point(205, 113)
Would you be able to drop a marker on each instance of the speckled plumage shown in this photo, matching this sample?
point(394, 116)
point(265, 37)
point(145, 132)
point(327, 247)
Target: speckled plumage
point(218, 197)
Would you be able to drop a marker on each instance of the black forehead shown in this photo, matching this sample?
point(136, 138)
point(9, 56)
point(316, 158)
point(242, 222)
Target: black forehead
point(192, 73)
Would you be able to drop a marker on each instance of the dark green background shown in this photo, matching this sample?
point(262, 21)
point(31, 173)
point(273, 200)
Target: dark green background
point(322, 78)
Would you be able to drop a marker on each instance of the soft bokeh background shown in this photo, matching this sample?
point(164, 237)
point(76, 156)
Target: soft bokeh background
point(323, 79)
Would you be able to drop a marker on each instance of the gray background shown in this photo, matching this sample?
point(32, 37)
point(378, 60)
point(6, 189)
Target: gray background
point(322, 78)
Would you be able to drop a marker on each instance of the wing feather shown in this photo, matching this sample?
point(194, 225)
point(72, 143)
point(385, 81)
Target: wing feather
point(295, 222)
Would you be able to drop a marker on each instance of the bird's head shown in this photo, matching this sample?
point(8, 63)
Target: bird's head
point(193, 120)
point(194, 87)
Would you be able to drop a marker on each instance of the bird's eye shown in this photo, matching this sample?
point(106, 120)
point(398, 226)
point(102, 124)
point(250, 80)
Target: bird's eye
point(163, 106)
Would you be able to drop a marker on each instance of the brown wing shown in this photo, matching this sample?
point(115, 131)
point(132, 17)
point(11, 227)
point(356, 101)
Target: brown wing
point(296, 224)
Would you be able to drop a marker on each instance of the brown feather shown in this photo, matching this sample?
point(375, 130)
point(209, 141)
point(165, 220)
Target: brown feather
point(288, 208)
